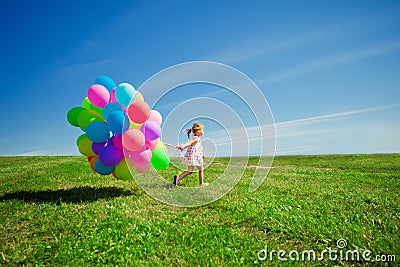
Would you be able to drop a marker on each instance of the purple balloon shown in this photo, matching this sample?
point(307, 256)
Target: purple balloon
point(110, 155)
point(96, 147)
point(151, 130)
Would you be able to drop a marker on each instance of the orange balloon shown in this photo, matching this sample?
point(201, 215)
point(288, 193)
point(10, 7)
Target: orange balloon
point(93, 162)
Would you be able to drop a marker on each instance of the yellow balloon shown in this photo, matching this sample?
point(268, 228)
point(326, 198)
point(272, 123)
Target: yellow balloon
point(160, 144)
point(134, 125)
point(139, 96)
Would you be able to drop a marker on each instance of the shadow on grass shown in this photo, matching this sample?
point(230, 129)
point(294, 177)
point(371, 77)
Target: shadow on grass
point(72, 195)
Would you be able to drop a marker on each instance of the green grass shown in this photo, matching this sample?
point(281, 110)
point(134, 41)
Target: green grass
point(56, 211)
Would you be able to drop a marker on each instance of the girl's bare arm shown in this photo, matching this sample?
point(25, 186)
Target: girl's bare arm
point(192, 142)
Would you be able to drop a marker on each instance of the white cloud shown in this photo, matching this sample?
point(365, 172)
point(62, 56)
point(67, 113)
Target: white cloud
point(176, 103)
point(84, 66)
point(258, 47)
point(308, 135)
point(330, 61)
point(293, 150)
point(333, 116)
point(34, 153)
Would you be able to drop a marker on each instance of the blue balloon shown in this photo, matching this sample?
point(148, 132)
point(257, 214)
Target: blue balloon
point(103, 169)
point(118, 122)
point(106, 81)
point(98, 132)
point(110, 107)
point(125, 93)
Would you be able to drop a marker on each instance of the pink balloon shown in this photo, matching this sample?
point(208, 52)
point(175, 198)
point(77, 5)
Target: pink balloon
point(141, 157)
point(138, 112)
point(143, 169)
point(98, 95)
point(155, 116)
point(133, 139)
point(117, 140)
point(112, 96)
point(151, 144)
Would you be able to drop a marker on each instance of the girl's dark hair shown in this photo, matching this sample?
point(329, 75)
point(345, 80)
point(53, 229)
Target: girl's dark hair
point(196, 127)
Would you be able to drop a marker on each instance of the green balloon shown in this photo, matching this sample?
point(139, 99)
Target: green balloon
point(97, 109)
point(80, 138)
point(88, 116)
point(87, 105)
point(73, 114)
point(123, 169)
point(160, 158)
point(85, 147)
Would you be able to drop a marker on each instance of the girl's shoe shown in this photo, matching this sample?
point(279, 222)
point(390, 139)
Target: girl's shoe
point(204, 184)
point(176, 180)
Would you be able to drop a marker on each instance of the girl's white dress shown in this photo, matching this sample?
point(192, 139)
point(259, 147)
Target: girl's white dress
point(194, 154)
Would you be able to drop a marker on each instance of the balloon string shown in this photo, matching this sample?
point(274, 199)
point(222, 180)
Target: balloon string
point(170, 145)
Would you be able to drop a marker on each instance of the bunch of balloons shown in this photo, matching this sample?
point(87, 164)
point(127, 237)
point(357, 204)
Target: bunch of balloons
point(122, 133)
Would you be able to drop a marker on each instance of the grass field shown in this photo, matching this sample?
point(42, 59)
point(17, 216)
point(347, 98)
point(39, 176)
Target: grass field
point(56, 211)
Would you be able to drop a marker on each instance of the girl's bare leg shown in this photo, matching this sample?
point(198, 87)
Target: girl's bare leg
point(201, 176)
point(185, 173)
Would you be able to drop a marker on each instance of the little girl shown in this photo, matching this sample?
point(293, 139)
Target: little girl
point(194, 153)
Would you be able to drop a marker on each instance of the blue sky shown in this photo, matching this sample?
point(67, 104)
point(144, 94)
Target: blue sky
point(329, 70)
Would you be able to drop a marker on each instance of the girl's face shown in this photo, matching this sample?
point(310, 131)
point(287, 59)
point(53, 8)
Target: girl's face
point(199, 132)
